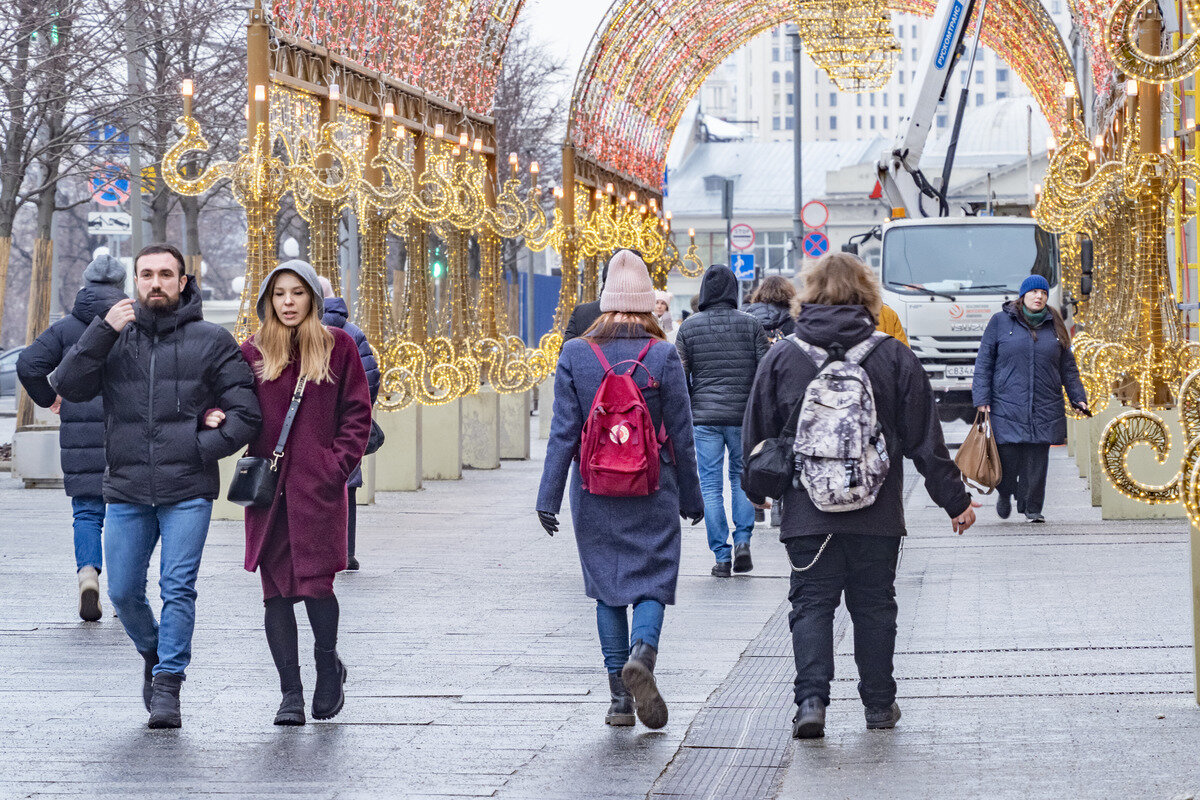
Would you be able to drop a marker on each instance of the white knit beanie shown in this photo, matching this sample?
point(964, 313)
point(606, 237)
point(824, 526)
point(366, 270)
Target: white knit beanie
point(628, 287)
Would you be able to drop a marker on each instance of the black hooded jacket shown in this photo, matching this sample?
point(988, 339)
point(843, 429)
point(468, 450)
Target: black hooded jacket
point(158, 377)
point(905, 407)
point(81, 432)
point(776, 320)
point(720, 348)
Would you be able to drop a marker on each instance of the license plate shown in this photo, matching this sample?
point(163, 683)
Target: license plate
point(960, 371)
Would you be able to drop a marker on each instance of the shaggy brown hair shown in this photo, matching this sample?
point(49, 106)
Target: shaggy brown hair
point(776, 291)
point(840, 279)
point(623, 325)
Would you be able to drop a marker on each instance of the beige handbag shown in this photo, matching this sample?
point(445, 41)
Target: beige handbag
point(979, 458)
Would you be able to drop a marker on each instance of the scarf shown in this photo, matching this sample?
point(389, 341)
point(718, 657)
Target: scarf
point(1034, 318)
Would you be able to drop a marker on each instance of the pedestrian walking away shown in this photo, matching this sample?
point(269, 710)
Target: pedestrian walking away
point(720, 348)
point(851, 552)
point(584, 314)
point(771, 305)
point(1024, 364)
point(159, 367)
point(337, 316)
point(629, 542)
point(299, 542)
point(81, 429)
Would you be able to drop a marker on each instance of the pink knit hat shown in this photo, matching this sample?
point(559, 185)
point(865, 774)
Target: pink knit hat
point(628, 287)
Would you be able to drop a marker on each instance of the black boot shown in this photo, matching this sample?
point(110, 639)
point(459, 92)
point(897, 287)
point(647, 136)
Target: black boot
point(620, 711)
point(151, 660)
point(164, 701)
point(809, 722)
point(638, 675)
point(328, 697)
point(291, 709)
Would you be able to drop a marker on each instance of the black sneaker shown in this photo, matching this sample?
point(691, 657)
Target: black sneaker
point(809, 722)
point(882, 718)
point(1003, 506)
point(351, 564)
point(741, 558)
point(1035, 518)
point(722, 569)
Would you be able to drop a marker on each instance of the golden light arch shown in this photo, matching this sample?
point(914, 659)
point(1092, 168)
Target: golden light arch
point(648, 59)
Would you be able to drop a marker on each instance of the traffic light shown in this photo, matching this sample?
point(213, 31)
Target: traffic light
point(436, 263)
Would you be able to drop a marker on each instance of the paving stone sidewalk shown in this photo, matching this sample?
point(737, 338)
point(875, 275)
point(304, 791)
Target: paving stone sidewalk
point(472, 653)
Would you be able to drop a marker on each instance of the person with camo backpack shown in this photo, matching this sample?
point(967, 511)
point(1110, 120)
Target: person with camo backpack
point(853, 548)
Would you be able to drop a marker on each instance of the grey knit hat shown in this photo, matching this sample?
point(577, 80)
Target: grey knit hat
point(305, 272)
point(105, 269)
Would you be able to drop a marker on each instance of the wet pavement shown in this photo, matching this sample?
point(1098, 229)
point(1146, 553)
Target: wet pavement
point(1034, 661)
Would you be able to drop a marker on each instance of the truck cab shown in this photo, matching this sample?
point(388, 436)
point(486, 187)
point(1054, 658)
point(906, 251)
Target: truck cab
point(946, 276)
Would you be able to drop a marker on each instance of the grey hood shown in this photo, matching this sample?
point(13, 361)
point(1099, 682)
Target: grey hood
point(305, 272)
point(105, 269)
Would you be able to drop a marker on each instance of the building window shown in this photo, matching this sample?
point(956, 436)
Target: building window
point(789, 76)
point(886, 98)
point(941, 120)
point(901, 75)
point(872, 122)
point(771, 251)
point(858, 100)
point(833, 99)
point(885, 123)
point(833, 123)
point(860, 122)
point(978, 99)
point(872, 100)
point(776, 124)
point(1001, 95)
point(979, 76)
point(1001, 75)
point(774, 77)
point(900, 99)
point(774, 53)
point(914, 31)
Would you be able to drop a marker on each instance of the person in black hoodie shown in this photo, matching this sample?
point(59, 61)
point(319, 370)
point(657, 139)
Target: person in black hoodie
point(81, 432)
point(855, 552)
point(178, 397)
point(720, 348)
point(337, 315)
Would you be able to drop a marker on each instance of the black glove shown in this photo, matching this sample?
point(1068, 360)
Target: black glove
point(695, 516)
point(549, 521)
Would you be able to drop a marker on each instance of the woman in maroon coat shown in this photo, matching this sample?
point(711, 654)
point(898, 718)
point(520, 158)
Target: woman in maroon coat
point(299, 543)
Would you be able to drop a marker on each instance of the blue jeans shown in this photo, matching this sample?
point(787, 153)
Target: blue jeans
point(711, 443)
point(615, 638)
point(89, 522)
point(133, 531)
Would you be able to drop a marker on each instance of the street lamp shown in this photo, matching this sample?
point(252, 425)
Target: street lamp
point(797, 152)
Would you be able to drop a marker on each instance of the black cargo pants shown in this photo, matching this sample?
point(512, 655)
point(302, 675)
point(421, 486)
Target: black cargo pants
point(864, 567)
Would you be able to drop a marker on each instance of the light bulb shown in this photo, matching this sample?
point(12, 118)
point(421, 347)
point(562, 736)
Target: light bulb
point(1131, 88)
point(335, 92)
point(185, 88)
point(1069, 90)
point(389, 110)
point(260, 93)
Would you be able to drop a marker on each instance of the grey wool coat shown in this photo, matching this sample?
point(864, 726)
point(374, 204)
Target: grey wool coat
point(628, 546)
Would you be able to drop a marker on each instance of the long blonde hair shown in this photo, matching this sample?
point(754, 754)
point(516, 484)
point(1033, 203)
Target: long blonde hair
point(840, 279)
point(274, 340)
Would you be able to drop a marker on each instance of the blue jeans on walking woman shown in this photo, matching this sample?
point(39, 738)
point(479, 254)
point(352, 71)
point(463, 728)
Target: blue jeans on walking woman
point(711, 443)
point(133, 531)
point(88, 513)
point(615, 636)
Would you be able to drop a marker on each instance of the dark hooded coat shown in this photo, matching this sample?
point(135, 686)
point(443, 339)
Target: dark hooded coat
point(1021, 374)
point(776, 320)
point(720, 348)
point(81, 429)
point(158, 377)
point(905, 408)
point(337, 316)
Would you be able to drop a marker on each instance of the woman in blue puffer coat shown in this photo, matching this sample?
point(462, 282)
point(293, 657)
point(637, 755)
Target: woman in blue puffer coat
point(1024, 364)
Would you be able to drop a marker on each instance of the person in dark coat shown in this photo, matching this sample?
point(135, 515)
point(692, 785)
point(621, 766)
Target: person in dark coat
point(628, 546)
point(299, 543)
point(771, 305)
point(584, 314)
point(81, 432)
point(159, 367)
point(1024, 363)
point(854, 552)
point(720, 348)
point(338, 316)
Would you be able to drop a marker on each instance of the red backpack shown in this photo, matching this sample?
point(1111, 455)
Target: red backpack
point(619, 448)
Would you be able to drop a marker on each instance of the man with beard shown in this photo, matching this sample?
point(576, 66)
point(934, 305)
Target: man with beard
point(178, 397)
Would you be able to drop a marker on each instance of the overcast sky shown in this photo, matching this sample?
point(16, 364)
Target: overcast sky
point(566, 26)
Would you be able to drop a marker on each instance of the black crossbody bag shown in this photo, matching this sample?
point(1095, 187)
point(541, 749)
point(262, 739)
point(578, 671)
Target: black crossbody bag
point(255, 478)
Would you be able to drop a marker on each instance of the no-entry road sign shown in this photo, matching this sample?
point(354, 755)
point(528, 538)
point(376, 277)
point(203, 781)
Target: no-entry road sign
point(741, 236)
point(816, 244)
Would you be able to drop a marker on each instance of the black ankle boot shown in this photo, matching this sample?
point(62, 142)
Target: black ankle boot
point(151, 660)
point(291, 709)
point(164, 701)
point(328, 697)
point(620, 711)
point(638, 675)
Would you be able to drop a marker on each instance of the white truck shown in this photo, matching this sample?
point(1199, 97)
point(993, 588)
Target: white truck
point(946, 275)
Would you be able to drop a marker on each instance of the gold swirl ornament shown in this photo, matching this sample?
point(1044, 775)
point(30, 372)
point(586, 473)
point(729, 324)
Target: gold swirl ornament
point(1122, 434)
point(1122, 45)
point(192, 142)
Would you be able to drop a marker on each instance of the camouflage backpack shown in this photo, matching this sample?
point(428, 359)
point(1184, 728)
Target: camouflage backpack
point(841, 455)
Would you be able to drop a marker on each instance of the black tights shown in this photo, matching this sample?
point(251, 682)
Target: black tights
point(280, 621)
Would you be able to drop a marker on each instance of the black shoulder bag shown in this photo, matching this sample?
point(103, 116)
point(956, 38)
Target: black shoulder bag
point(769, 468)
point(254, 478)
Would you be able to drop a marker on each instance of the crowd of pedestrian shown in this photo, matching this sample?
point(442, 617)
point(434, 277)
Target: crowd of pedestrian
point(653, 422)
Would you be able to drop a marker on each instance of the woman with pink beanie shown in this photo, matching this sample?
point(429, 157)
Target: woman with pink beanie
point(628, 546)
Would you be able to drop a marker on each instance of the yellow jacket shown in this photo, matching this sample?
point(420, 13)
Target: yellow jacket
point(889, 323)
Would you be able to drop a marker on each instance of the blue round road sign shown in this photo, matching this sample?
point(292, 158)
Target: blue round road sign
point(816, 244)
